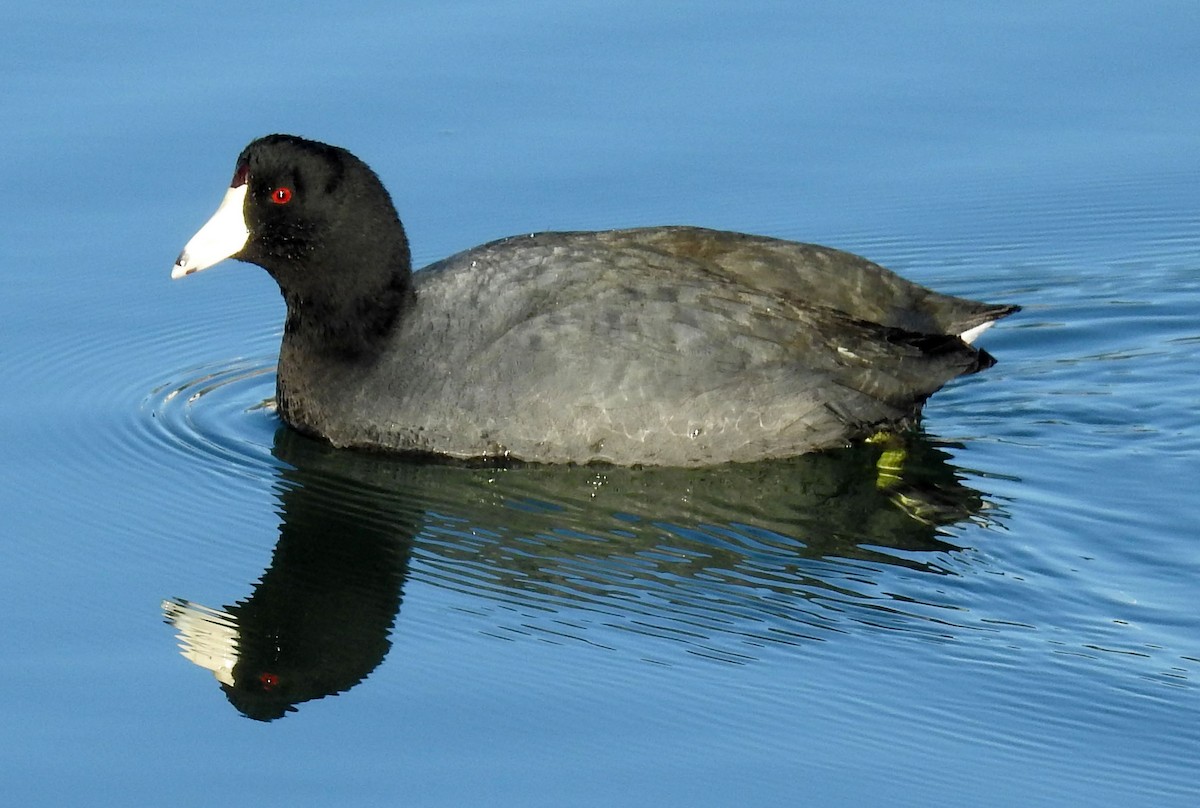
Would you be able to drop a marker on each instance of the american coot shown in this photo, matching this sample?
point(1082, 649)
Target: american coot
point(672, 346)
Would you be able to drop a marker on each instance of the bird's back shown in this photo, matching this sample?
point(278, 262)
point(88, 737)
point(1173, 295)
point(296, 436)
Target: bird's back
point(673, 346)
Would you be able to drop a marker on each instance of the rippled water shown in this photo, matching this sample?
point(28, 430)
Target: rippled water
point(998, 610)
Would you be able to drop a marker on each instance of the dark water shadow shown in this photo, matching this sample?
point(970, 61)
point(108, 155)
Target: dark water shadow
point(711, 558)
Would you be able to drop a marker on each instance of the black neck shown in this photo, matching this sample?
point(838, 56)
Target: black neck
point(352, 327)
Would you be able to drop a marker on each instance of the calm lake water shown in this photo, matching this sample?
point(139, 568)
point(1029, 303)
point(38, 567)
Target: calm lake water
point(1010, 621)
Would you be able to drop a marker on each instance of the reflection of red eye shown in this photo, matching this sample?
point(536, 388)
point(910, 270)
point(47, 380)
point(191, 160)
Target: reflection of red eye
point(281, 196)
point(268, 680)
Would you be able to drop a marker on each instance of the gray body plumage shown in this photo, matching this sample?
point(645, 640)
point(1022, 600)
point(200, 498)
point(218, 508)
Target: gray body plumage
point(668, 346)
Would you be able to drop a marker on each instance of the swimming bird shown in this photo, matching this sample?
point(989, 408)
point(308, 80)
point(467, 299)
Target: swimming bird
point(675, 346)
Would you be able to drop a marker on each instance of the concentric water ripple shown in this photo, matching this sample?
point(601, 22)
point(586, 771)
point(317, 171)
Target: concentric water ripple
point(218, 414)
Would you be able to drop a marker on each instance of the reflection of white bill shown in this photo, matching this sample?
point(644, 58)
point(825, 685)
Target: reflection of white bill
point(208, 637)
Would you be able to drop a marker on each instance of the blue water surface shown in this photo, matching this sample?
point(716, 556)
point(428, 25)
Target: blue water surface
point(1010, 621)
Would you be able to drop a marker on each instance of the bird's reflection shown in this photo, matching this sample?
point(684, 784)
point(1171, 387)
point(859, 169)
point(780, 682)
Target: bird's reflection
point(319, 620)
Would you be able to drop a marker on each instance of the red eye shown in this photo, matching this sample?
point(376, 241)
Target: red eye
point(281, 195)
point(268, 680)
